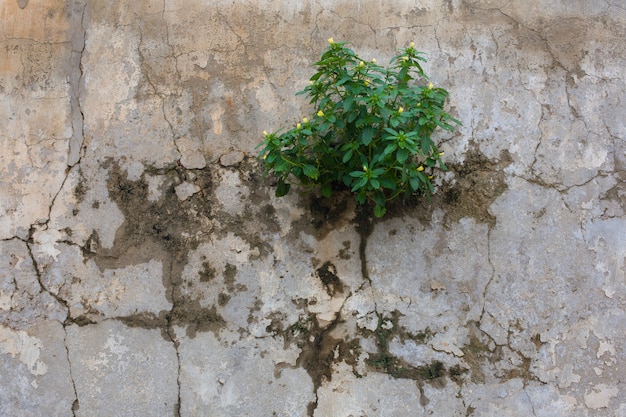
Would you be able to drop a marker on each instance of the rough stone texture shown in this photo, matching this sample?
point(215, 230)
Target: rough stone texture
point(147, 269)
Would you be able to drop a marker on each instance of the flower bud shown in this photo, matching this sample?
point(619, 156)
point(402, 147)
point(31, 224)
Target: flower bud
point(320, 113)
point(430, 177)
point(331, 41)
point(405, 58)
point(412, 45)
point(361, 64)
point(430, 86)
point(400, 110)
point(367, 82)
point(298, 126)
point(305, 120)
point(441, 153)
point(265, 133)
point(420, 168)
point(373, 60)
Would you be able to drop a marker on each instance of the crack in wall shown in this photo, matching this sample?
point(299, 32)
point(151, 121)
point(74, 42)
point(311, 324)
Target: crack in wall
point(169, 330)
point(75, 403)
point(76, 79)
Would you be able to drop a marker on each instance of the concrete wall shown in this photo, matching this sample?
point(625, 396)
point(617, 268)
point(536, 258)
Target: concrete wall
point(147, 270)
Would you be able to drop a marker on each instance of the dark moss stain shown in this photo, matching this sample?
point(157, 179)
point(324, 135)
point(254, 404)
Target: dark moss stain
point(258, 218)
point(479, 181)
point(169, 229)
point(191, 314)
point(207, 273)
point(456, 373)
point(317, 354)
point(477, 353)
point(327, 273)
point(397, 367)
point(223, 299)
point(345, 252)
point(323, 215)
point(80, 190)
point(230, 272)
point(166, 230)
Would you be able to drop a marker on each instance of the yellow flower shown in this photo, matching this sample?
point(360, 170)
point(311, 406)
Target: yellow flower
point(405, 58)
point(400, 110)
point(265, 133)
point(412, 45)
point(364, 168)
point(361, 64)
point(430, 177)
point(305, 120)
point(311, 82)
point(298, 126)
point(331, 41)
point(441, 153)
point(367, 82)
point(373, 60)
point(265, 156)
point(430, 86)
point(320, 113)
point(420, 168)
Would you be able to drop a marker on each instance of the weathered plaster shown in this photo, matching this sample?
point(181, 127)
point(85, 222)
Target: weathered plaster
point(147, 269)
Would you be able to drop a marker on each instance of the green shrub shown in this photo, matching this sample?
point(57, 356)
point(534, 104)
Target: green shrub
point(371, 133)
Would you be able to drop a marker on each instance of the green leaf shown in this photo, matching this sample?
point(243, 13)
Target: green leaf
point(359, 184)
point(379, 198)
point(414, 183)
point(347, 156)
point(426, 144)
point(343, 80)
point(310, 171)
point(387, 183)
point(347, 103)
point(378, 171)
point(379, 211)
point(367, 135)
point(326, 191)
point(390, 148)
point(402, 155)
point(282, 188)
point(375, 183)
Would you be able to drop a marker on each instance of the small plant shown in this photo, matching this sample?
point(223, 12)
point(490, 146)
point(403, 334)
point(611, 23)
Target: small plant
point(371, 132)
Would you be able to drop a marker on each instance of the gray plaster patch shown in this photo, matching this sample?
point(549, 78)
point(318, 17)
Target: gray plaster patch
point(122, 371)
point(34, 371)
point(377, 394)
point(225, 374)
point(23, 301)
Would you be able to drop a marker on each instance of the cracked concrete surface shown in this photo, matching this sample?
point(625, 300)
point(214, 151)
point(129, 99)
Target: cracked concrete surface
point(147, 269)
